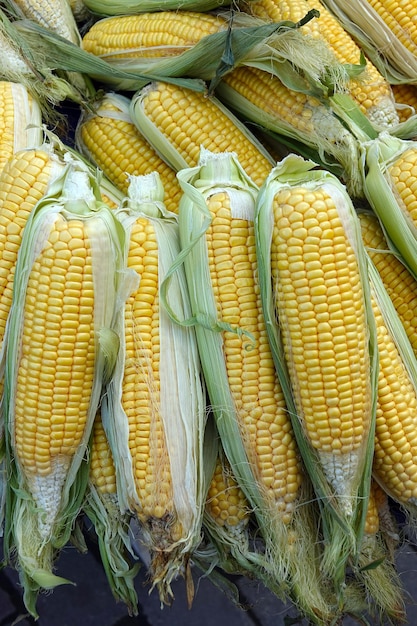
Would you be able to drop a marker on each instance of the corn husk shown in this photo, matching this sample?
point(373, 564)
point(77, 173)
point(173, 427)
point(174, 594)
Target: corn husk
point(182, 409)
point(342, 506)
point(41, 510)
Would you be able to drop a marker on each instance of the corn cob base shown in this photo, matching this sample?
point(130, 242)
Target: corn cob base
point(46, 491)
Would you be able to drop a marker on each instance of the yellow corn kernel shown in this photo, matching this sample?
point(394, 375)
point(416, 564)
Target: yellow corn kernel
point(102, 470)
point(401, 286)
point(56, 368)
point(403, 179)
point(226, 503)
point(263, 418)
point(321, 308)
point(190, 120)
point(395, 457)
point(372, 516)
point(400, 19)
point(405, 97)
point(23, 182)
point(141, 386)
point(371, 91)
point(154, 34)
point(117, 147)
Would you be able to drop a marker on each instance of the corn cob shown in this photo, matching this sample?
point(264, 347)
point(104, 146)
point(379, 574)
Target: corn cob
point(102, 470)
point(177, 122)
point(111, 525)
point(109, 139)
point(394, 465)
point(56, 17)
point(335, 432)
point(53, 14)
point(405, 100)
point(150, 35)
point(155, 412)
point(65, 284)
point(217, 233)
point(266, 101)
point(390, 185)
point(25, 179)
point(379, 26)
point(370, 90)
point(401, 286)
point(230, 539)
point(322, 336)
point(21, 120)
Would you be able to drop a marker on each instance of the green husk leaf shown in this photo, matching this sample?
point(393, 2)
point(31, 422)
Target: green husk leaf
point(348, 110)
point(278, 48)
point(203, 61)
point(302, 63)
point(406, 129)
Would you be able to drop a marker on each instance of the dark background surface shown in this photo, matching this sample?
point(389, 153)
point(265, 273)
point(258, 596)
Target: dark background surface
point(90, 602)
